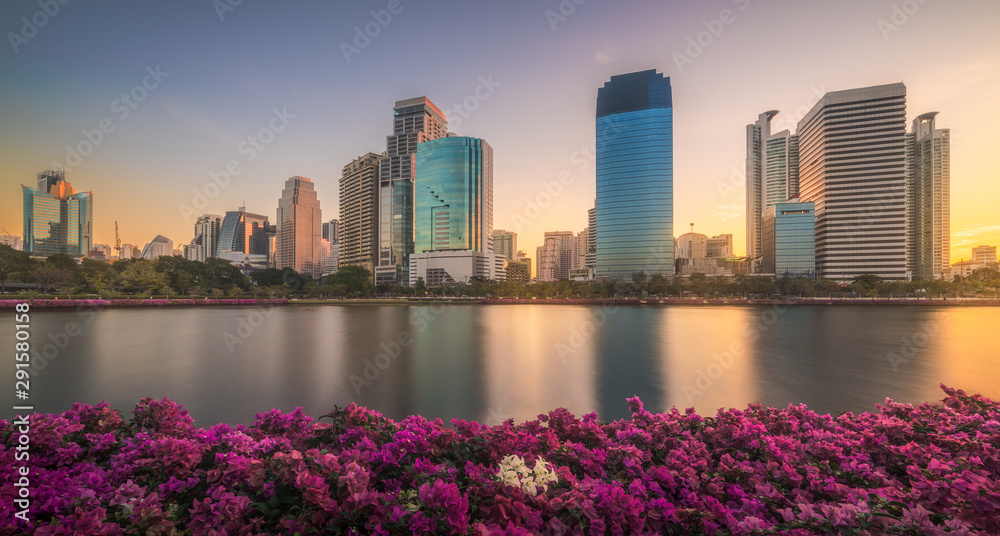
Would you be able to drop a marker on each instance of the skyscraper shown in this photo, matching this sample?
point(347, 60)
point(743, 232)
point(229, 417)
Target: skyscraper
point(928, 199)
point(788, 240)
point(331, 230)
point(852, 165)
point(414, 121)
point(772, 173)
point(555, 256)
point(359, 211)
point(299, 232)
point(634, 176)
point(505, 243)
point(56, 218)
point(453, 192)
point(205, 243)
point(242, 232)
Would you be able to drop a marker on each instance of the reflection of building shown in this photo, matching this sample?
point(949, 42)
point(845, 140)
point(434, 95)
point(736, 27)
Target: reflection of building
point(56, 218)
point(205, 243)
point(13, 241)
point(299, 220)
point(928, 199)
point(788, 239)
point(453, 197)
point(984, 254)
point(634, 176)
point(160, 246)
point(414, 121)
point(505, 243)
point(852, 165)
point(358, 229)
point(555, 256)
point(444, 267)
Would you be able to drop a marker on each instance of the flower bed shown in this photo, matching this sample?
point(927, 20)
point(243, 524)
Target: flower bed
point(158, 302)
point(930, 469)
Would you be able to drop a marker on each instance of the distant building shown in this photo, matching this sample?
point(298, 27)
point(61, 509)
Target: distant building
point(518, 271)
point(928, 196)
point(505, 243)
point(56, 218)
point(634, 177)
point(852, 165)
point(130, 251)
point(299, 233)
point(160, 246)
point(359, 206)
point(963, 269)
point(205, 243)
point(713, 266)
point(13, 241)
point(692, 246)
point(788, 239)
point(555, 256)
point(414, 121)
point(772, 173)
point(591, 255)
point(330, 254)
point(522, 256)
point(984, 254)
point(719, 246)
point(100, 252)
point(331, 230)
point(242, 232)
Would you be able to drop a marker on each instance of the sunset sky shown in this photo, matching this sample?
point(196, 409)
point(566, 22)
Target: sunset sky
point(215, 77)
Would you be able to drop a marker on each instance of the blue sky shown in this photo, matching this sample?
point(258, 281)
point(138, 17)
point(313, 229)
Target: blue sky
point(226, 76)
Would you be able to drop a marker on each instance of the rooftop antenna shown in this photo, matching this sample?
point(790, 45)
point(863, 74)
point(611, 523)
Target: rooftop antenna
point(692, 227)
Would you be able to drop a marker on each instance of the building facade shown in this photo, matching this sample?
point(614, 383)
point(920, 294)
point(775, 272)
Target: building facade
point(852, 165)
point(719, 246)
point(788, 240)
point(445, 267)
point(13, 241)
point(415, 121)
point(505, 243)
point(984, 254)
point(56, 218)
point(359, 212)
point(928, 199)
point(772, 174)
point(205, 244)
point(634, 176)
point(159, 246)
point(299, 221)
point(555, 256)
point(692, 246)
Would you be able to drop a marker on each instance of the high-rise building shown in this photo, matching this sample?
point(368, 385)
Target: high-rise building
point(720, 246)
point(788, 240)
point(331, 230)
point(984, 254)
point(505, 243)
point(522, 256)
point(299, 218)
point(453, 194)
point(772, 173)
point(591, 259)
point(242, 232)
point(580, 249)
point(359, 212)
point(414, 121)
point(160, 246)
point(852, 165)
point(928, 199)
point(13, 241)
point(56, 218)
point(634, 176)
point(555, 256)
point(205, 243)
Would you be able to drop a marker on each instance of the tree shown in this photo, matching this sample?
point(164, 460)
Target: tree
point(143, 276)
point(12, 261)
point(421, 287)
point(97, 276)
point(658, 285)
point(355, 280)
point(50, 278)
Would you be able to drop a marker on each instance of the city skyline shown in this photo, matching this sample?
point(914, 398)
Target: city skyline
point(185, 131)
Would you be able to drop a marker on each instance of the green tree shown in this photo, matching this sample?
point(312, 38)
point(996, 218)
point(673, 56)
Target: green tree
point(866, 284)
point(356, 281)
point(658, 285)
point(143, 276)
point(420, 288)
point(12, 262)
point(96, 276)
point(53, 279)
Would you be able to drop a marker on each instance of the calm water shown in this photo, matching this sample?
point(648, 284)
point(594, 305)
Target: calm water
point(491, 363)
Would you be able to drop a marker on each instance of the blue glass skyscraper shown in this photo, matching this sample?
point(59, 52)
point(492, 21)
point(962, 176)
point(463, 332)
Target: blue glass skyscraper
point(635, 194)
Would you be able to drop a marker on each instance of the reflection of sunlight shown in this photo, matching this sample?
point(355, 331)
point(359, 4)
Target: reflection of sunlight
point(967, 357)
point(524, 373)
point(707, 363)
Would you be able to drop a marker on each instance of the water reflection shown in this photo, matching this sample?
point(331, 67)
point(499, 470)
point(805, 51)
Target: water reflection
point(499, 362)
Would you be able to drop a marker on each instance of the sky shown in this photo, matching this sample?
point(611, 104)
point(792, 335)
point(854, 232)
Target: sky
point(147, 104)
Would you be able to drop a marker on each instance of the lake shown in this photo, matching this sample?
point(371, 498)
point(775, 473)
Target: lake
point(492, 363)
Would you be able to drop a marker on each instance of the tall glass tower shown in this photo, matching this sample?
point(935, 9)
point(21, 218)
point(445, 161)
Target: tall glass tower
point(56, 218)
point(635, 177)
